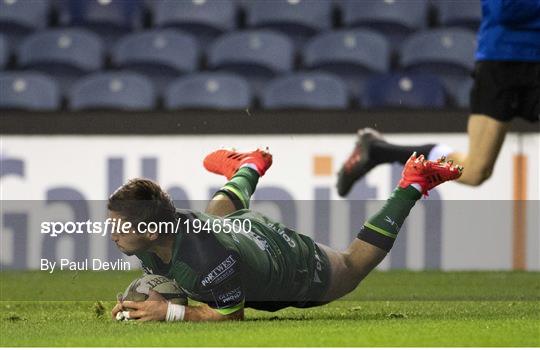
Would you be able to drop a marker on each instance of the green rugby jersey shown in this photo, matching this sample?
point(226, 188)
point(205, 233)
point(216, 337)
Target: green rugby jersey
point(260, 263)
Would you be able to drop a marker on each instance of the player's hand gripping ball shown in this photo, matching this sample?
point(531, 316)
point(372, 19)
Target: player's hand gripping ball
point(139, 290)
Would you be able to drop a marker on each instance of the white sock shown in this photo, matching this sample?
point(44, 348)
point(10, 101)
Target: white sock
point(251, 166)
point(438, 151)
point(417, 187)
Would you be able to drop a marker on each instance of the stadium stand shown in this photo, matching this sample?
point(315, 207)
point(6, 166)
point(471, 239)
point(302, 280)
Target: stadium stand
point(257, 55)
point(353, 55)
point(4, 52)
point(19, 18)
point(112, 90)
point(108, 18)
point(208, 91)
point(311, 90)
point(447, 53)
point(66, 54)
point(460, 13)
point(299, 20)
point(206, 19)
point(394, 18)
point(28, 91)
point(258, 40)
point(404, 91)
point(161, 54)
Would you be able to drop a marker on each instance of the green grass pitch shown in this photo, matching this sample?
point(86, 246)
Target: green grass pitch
point(397, 308)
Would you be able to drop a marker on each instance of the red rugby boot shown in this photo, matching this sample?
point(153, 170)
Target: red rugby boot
point(428, 174)
point(227, 162)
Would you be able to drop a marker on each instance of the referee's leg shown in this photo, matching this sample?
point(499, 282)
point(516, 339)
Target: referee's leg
point(486, 136)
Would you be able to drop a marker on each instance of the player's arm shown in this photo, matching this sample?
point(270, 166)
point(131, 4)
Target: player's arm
point(206, 313)
point(156, 308)
point(118, 306)
point(223, 297)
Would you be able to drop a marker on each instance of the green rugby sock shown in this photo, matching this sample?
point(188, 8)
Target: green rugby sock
point(381, 229)
point(240, 187)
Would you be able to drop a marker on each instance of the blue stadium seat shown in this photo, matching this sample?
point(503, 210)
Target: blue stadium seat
point(404, 91)
point(209, 91)
point(113, 90)
point(460, 13)
point(310, 90)
point(161, 54)
point(4, 52)
point(19, 18)
point(394, 18)
point(353, 55)
point(299, 19)
point(257, 55)
point(65, 54)
point(108, 18)
point(448, 53)
point(28, 91)
point(206, 19)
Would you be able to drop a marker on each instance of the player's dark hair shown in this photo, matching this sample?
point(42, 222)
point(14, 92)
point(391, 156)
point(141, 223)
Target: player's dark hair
point(142, 200)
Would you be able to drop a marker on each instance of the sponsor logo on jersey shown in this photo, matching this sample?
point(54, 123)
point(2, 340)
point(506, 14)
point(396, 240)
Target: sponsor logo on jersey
point(287, 239)
point(230, 296)
point(261, 243)
point(282, 233)
point(219, 270)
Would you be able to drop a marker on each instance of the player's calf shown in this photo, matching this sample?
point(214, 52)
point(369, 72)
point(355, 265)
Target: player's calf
point(418, 177)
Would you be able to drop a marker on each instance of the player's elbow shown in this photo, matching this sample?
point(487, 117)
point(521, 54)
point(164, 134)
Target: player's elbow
point(236, 316)
point(203, 313)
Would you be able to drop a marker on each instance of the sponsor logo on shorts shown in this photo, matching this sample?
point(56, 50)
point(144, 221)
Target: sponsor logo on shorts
point(219, 270)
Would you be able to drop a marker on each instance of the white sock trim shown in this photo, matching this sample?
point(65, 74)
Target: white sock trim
point(251, 166)
point(417, 187)
point(438, 151)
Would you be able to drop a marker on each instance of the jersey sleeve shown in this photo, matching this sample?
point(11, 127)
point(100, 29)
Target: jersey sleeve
point(219, 282)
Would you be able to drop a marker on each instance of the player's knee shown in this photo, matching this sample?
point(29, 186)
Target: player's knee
point(355, 273)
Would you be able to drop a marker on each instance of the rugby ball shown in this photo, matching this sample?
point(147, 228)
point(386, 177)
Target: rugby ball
point(139, 289)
